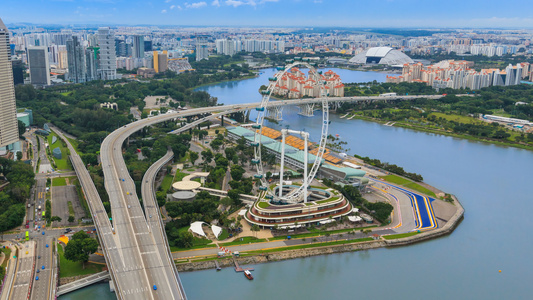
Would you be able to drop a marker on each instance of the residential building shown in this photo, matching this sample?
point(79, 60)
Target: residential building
point(8, 112)
point(201, 48)
point(77, 66)
point(39, 65)
point(107, 64)
point(160, 61)
point(138, 46)
point(91, 58)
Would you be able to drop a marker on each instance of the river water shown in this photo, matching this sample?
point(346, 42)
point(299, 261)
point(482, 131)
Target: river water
point(492, 183)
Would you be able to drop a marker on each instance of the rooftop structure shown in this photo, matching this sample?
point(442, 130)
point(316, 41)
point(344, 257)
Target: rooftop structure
point(382, 56)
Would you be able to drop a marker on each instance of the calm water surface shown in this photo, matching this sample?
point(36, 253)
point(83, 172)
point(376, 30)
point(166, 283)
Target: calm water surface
point(492, 182)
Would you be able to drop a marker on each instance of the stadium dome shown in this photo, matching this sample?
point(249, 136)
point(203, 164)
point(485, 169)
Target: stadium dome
point(381, 56)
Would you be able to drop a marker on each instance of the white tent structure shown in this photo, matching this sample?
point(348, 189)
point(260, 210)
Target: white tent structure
point(216, 230)
point(355, 219)
point(196, 228)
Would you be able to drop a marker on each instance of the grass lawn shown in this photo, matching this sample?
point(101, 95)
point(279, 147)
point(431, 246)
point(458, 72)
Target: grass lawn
point(263, 204)
point(197, 243)
point(176, 249)
point(179, 176)
point(418, 187)
point(59, 181)
point(7, 252)
point(62, 164)
point(305, 246)
point(74, 144)
point(70, 209)
point(399, 236)
point(166, 183)
point(223, 235)
point(458, 118)
point(408, 184)
point(245, 240)
point(396, 179)
point(69, 268)
point(318, 232)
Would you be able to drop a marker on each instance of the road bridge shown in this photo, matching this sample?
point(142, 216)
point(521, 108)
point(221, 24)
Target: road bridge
point(153, 214)
point(121, 274)
point(81, 283)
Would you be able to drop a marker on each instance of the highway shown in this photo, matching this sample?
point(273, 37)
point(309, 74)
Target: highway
point(123, 275)
point(24, 271)
point(151, 210)
point(42, 288)
point(139, 245)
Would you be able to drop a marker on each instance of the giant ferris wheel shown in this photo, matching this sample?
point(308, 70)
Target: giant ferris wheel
point(299, 194)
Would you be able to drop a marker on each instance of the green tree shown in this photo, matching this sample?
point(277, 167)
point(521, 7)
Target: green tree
point(22, 128)
point(236, 172)
point(255, 228)
point(80, 246)
point(173, 209)
point(71, 219)
point(193, 156)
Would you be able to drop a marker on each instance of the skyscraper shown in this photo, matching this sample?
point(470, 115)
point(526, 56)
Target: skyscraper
point(8, 112)
point(147, 46)
point(201, 48)
point(77, 67)
point(138, 46)
point(108, 63)
point(91, 58)
point(39, 65)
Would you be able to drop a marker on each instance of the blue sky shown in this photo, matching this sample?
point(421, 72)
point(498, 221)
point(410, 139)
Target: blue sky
point(345, 13)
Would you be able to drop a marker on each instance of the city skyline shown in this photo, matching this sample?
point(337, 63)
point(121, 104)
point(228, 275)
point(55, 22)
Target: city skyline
point(380, 13)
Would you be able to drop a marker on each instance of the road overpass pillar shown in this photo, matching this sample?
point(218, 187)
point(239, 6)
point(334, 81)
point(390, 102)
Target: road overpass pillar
point(111, 286)
point(306, 109)
point(275, 113)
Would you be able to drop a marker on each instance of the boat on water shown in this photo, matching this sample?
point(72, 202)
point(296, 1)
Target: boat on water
point(248, 275)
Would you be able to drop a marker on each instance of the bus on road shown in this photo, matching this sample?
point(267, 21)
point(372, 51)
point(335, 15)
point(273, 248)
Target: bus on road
point(27, 235)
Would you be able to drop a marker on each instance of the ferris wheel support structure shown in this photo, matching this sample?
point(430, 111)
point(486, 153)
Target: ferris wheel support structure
point(300, 193)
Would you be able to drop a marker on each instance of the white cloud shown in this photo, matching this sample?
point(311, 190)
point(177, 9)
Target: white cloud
point(167, 1)
point(234, 3)
point(172, 6)
point(237, 3)
point(216, 3)
point(164, 11)
point(195, 5)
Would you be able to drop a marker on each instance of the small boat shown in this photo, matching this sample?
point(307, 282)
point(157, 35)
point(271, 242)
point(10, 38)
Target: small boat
point(248, 275)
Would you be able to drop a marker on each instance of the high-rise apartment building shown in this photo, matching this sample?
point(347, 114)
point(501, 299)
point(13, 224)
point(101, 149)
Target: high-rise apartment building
point(77, 67)
point(138, 46)
point(18, 71)
point(8, 112)
point(39, 65)
point(160, 61)
point(91, 58)
point(148, 46)
point(108, 63)
point(201, 48)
